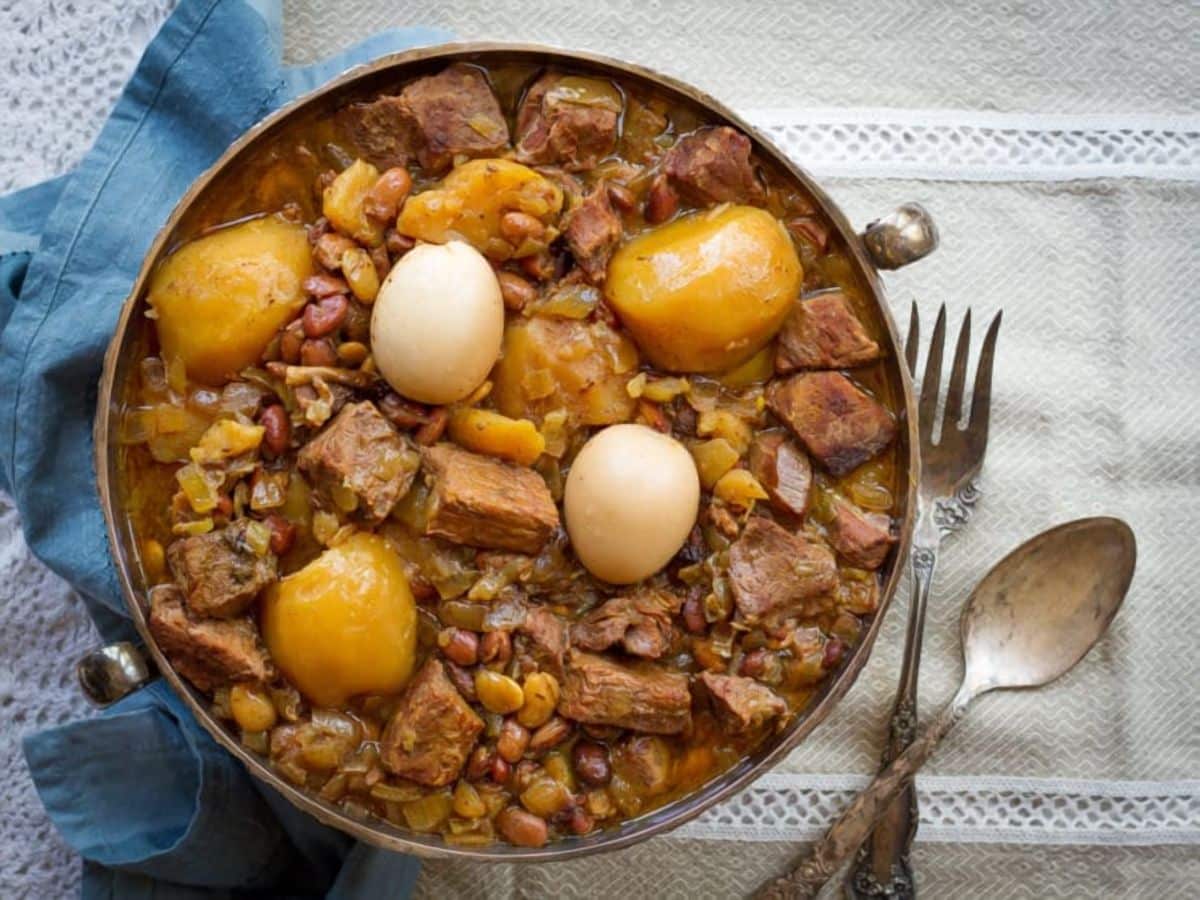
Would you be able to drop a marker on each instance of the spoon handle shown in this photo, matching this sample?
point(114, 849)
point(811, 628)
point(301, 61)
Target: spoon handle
point(849, 831)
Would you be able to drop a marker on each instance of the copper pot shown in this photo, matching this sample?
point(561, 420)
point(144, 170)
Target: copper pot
point(111, 672)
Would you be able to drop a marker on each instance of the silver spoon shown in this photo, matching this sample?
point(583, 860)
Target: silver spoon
point(1034, 615)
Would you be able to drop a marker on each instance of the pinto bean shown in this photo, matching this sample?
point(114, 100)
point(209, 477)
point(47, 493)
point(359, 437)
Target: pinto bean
point(431, 432)
point(330, 248)
point(622, 197)
point(538, 266)
point(397, 244)
point(591, 763)
point(479, 764)
point(499, 770)
point(693, 616)
point(318, 352)
point(283, 534)
point(550, 735)
point(578, 821)
point(325, 316)
point(290, 341)
point(404, 414)
point(515, 290)
point(324, 285)
point(522, 828)
point(518, 227)
point(277, 429)
point(513, 739)
point(496, 647)
point(459, 645)
point(662, 202)
point(383, 201)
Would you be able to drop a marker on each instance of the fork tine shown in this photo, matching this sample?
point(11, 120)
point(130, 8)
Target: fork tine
point(981, 400)
point(958, 377)
point(913, 343)
point(932, 380)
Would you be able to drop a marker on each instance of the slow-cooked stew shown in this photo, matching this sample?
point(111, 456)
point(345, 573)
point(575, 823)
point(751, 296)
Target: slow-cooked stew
point(349, 447)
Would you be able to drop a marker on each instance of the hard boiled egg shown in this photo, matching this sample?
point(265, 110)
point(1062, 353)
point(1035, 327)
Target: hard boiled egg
point(438, 322)
point(630, 502)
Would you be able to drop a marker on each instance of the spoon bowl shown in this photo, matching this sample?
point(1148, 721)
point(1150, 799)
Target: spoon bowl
point(1043, 607)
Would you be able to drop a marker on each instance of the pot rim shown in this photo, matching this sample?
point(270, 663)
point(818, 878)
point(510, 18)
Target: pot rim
point(674, 813)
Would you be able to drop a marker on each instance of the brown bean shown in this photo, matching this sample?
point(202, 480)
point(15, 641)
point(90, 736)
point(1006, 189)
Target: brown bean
point(225, 505)
point(662, 202)
point(318, 353)
point(398, 244)
point(522, 828)
point(324, 285)
point(330, 248)
point(382, 262)
point(754, 663)
point(523, 775)
point(550, 735)
point(591, 763)
point(479, 763)
point(693, 616)
point(277, 429)
point(459, 645)
point(515, 290)
point(496, 647)
point(518, 227)
point(499, 770)
point(579, 822)
point(513, 739)
point(622, 197)
point(283, 534)
point(404, 414)
point(357, 326)
point(538, 266)
point(431, 432)
point(290, 341)
point(325, 316)
point(383, 201)
point(460, 677)
point(835, 648)
point(316, 229)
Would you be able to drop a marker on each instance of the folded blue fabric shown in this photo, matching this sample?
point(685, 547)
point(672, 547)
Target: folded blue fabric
point(150, 801)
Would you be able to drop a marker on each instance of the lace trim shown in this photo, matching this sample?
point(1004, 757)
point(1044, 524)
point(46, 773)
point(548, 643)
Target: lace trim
point(975, 146)
point(970, 810)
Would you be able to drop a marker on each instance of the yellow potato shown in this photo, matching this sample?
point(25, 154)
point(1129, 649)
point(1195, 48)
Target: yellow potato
point(468, 205)
point(345, 624)
point(706, 292)
point(550, 364)
point(484, 431)
point(220, 298)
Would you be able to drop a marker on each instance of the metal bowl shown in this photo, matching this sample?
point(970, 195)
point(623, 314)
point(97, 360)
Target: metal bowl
point(111, 672)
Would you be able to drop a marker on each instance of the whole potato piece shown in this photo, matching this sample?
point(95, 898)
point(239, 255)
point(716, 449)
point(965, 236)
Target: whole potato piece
point(707, 292)
point(470, 204)
point(220, 298)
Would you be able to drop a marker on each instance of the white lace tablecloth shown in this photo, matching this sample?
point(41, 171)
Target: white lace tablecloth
point(1058, 146)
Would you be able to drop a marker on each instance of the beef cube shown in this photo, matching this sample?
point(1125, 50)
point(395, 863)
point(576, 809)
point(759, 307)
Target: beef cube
point(361, 453)
point(592, 232)
point(220, 573)
point(742, 704)
point(784, 470)
point(823, 332)
point(774, 572)
point(838, 423)
point(482, 502)
point(432, 731)
point(382, 131)
point(546, 639)
point(713, 166)
point(552, 128)
point(210, 653)
point(455, 113)
point(599, 691)
point(862, 538)
point(640, 623)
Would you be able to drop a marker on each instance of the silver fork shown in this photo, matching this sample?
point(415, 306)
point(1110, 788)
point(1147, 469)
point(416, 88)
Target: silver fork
point(949, 463)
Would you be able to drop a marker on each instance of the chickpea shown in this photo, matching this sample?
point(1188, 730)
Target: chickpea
point(467, 802)
point(359, 271)
point(498, 693)
point(513, 740)
point(252, 707)
point(522, 828)
point(541, 697)
point(459, 645)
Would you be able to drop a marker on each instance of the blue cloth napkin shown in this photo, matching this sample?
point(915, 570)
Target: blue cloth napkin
point(153, 804)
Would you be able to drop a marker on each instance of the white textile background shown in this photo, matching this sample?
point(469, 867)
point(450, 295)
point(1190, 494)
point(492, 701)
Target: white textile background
point(1058, 146)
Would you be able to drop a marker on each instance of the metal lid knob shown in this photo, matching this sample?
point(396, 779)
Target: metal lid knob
point(902, 237)
point(109, 673)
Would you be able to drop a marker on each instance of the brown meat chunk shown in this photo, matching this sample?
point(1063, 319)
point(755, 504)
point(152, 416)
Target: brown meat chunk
point(207, 652)
point(382, 131)
point(742, 704)
point(640, 623)
point(455, 113)
point(599, 691)
point(482, 502)
point(839, 424)
point(219, 572)
point(644, 762)
point(824, 333)
point(862, 538)
point(432, 731)
point(772, 571)
point(784, 470)
point(360, 452)
point(713, 166)
point(552, 129)
point(546, 636)
point(593, 231)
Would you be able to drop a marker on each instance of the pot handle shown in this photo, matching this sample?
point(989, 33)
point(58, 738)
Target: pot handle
point(903, 236)
point(114, 671)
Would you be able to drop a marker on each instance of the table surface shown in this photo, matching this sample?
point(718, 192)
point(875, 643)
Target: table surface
point(1058, 145)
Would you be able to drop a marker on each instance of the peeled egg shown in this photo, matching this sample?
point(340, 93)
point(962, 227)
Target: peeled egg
point(630, 502)
point(438, 322)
